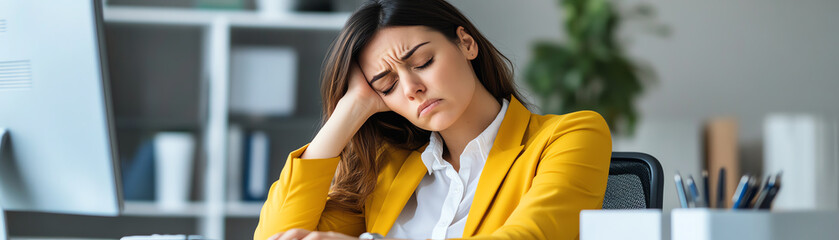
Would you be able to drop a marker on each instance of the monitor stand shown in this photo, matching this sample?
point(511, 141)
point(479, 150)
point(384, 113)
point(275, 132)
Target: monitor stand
point(3, 234)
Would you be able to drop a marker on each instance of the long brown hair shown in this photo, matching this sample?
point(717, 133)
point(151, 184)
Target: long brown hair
point(357, 171)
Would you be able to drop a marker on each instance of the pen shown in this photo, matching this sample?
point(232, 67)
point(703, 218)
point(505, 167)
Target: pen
point(705, 189)
point(695, 199)
point(680, 190)
point(773, 191)
point(761, 195)
point(740, 193)
point(754, 183)
point(721, 189)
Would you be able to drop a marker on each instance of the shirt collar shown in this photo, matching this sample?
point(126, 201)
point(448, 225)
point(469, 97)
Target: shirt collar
point(432, 156)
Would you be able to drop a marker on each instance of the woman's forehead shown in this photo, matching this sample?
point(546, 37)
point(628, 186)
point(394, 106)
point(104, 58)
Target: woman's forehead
point(394, 42)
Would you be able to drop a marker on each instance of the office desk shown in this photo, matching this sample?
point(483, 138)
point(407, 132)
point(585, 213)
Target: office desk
point(57, 238)
point(708, 224)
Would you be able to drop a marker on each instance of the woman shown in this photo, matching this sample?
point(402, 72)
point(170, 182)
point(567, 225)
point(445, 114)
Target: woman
point(425, 136)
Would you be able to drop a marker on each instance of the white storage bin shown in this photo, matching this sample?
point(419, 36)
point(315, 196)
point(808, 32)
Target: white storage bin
point(640, 224)
point(724, 224)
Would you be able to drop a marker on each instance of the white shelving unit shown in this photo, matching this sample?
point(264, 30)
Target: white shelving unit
point(152, 209)
point(216, 26)
point(246, 19)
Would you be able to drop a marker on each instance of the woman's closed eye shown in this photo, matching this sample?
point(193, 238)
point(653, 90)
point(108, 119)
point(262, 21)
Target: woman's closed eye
point(390, 89)
point(393, 82)
point(426, 63)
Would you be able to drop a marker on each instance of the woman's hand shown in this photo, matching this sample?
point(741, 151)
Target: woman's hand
point(355, 107)
point(360, 94)
point(302, 234)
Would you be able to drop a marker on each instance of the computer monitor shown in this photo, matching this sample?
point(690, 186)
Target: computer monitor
point(58, 154)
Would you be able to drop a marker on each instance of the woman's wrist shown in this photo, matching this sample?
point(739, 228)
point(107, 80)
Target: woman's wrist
point(336, 133)
point(356, 107)
point(351, 115)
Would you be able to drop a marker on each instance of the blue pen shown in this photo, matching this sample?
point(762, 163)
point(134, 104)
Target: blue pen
point(721, 189)
point(764, 190)
point(706, 189)
point(754, 184)
point(754, 191)
point(695, 199)
point(740, 193)
point(773, 191)
point(680, 190)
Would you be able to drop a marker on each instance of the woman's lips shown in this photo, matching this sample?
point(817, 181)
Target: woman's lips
point(427, 106)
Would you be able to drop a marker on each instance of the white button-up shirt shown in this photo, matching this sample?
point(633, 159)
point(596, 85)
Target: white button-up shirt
point(440, 204)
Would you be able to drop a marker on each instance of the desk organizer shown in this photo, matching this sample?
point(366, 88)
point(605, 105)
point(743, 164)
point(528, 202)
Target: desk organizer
point(636, 224)
point(708, 224)
point(725, 224)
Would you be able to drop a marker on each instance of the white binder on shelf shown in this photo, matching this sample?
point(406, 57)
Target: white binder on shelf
point(235, 153)
point(804, 147)
point(257, 160)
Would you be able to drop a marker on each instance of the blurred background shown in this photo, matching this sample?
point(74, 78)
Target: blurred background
point(235, 83)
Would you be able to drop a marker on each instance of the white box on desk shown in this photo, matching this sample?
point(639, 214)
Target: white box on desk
point(723, 224)
point(629, 224)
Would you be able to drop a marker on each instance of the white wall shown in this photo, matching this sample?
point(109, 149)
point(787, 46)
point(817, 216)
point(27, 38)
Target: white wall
point(735, 58)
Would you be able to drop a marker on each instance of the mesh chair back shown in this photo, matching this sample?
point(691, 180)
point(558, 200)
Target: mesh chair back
point(635, 181)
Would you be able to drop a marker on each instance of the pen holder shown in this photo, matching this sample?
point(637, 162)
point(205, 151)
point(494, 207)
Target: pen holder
point(629, 224)
point(707, 224)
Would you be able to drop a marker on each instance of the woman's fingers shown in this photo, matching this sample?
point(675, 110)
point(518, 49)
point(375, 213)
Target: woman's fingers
point(327, 236)
point(357, 84)
point(303, 234)
point(293, 234)
point(275, 236)
point(316, 236)
point(359, 88)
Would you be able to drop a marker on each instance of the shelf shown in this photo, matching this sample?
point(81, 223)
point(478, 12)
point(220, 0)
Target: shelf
point(277, 124)
point(194, 209)
point(157, 124)
point(241, 18)
point(153, 209)
point(208, 36)
point(244, 209)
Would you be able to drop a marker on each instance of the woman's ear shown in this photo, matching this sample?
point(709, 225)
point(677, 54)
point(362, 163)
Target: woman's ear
point(468, 45)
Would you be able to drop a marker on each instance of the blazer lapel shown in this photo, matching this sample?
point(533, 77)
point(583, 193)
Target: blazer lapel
point(506, 148)
point(401, 189)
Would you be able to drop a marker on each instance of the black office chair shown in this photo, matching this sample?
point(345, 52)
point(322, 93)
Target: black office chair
point(635, 181)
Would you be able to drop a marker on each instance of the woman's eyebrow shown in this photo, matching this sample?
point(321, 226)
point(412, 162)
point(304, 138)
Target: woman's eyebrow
point(403, 58)
point(408, 55)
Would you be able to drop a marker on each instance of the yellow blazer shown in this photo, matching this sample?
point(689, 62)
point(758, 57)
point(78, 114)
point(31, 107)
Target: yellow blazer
point(541, 171)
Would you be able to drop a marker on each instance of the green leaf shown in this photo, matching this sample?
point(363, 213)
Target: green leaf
point(573, 79)
point(590, 70)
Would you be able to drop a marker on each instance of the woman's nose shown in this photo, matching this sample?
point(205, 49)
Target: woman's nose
point(412, 85)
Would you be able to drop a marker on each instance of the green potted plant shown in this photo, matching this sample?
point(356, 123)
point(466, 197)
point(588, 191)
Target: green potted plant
point(590, 70)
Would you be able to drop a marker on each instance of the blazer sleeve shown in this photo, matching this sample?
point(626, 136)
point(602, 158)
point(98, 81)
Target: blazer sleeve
point(571, 176)
point(298, 198)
